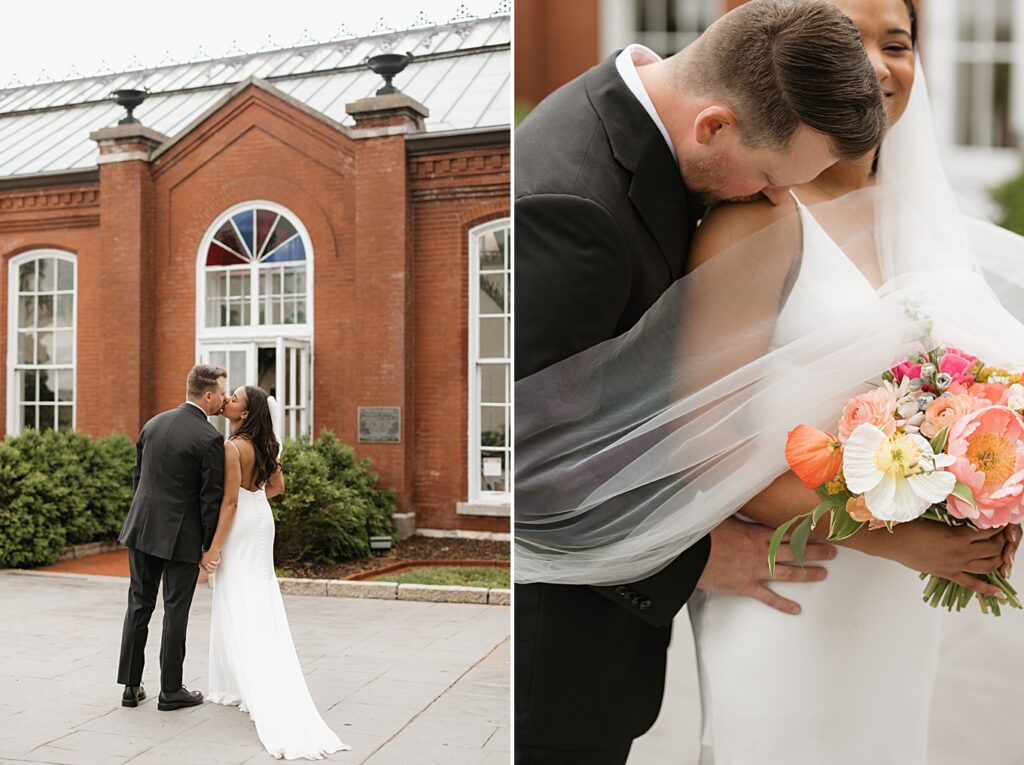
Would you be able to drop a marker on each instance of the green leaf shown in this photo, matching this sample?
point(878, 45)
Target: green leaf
point(842, 525)
point(798, 541)
point(939, 442)
point(776, 540)
point(819, 511)
point(963, 491)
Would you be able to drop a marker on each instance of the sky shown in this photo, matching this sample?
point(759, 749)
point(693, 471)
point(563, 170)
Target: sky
point(54, 39)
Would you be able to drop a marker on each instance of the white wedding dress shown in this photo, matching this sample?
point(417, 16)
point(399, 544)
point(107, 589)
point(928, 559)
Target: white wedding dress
point(253, 664)
point(848, 681)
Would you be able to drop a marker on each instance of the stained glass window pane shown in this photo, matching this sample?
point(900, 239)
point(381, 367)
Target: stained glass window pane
point(289, 251)
point(227, 237)
point(244, 224)
point(219, 256)
point(264, 223)
point(282, 232)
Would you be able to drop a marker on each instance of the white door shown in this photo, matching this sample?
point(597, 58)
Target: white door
point(283, 367)
point(239, 359)
point(293, 384)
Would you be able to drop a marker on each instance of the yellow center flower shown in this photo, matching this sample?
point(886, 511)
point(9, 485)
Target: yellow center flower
point(898, 457)
point(992, 454)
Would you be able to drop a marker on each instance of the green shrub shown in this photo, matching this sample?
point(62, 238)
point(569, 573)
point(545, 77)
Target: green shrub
point(331, 505)
point(59, 489)
point(1010, 198)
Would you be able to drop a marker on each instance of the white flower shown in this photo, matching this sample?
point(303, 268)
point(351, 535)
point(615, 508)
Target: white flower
point(898, 476)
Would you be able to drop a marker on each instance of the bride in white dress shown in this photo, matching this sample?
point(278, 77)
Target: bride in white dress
point(253, 664)
point(851, 679)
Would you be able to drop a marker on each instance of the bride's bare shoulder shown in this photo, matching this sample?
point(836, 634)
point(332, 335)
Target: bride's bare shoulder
point(731, 223)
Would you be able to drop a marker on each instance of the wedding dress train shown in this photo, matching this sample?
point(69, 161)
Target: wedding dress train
point(253, 663)
point(849, 681)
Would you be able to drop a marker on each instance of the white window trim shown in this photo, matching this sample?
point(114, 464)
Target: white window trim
point(482, 502)
point(616, 24)
point(12, 330)
point(220, 334)
point(261, 334)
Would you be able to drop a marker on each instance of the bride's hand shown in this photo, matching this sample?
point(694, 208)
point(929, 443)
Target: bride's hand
point(951, 553)
point(1013, 536)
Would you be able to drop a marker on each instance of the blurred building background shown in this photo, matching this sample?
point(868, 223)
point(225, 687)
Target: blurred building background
point(973, 54)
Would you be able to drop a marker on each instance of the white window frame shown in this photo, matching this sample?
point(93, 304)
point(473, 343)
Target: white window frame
point(486, 502)
point(277, 335)
point(618, 29)
point(972, 170)
point(247, 332)
point(12, 332)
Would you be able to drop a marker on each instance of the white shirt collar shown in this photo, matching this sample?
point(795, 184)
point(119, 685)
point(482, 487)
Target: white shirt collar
point(193, 403)
point(626, 63)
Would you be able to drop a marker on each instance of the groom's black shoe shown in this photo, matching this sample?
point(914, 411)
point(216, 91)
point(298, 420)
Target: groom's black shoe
point(178, 699)
point(132, 695)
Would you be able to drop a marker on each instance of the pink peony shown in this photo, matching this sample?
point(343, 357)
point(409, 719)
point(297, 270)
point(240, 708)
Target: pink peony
point(989, 449)
point(956, 365)
point(989, 394)
point(876, 407)
point(943, 412)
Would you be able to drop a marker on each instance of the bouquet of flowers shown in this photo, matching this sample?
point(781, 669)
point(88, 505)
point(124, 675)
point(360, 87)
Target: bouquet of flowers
point(941, 439)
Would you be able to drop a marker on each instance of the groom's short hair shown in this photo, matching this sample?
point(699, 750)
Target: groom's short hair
point(782, 63)
point(202, 378)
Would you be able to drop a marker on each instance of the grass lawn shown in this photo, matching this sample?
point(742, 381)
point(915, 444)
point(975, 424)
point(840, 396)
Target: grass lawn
point(491, 577)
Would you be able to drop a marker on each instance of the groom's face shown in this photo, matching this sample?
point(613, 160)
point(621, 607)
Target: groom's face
point(725, 169)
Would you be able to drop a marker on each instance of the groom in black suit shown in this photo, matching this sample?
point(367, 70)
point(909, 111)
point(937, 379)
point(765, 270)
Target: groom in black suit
point(613, 172)
point(178, 484)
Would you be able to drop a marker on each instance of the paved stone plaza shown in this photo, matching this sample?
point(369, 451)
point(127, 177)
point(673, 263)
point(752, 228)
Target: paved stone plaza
point(401, 682)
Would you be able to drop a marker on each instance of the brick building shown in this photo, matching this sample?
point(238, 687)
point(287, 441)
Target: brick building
point(270, 212)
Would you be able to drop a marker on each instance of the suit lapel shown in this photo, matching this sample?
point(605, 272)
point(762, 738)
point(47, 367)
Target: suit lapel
point(656, 190)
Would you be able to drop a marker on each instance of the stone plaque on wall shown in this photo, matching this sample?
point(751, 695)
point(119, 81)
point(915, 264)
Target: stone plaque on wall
point(380, 424)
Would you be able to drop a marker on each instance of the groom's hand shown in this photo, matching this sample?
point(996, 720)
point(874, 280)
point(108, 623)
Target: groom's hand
point(210, 560)
point(738, 564)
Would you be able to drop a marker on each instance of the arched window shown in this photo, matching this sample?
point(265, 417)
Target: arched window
point(254, 305)
point(490, 357)
point(256, 271)
point(41, 341)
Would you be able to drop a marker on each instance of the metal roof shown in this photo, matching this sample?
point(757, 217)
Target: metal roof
point(461, 71)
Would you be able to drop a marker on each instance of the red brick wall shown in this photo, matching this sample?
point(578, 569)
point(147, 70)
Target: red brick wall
point(390, 271)
point(452, 192)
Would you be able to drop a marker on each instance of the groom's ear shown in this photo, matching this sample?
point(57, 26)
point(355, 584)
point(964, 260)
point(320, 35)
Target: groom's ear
point(711, 122)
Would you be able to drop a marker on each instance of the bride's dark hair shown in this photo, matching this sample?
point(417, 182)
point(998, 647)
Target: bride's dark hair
point(913, 20)
point(258, 429)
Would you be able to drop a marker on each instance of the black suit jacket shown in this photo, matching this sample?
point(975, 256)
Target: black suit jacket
point(603, 223)
point(178, 484)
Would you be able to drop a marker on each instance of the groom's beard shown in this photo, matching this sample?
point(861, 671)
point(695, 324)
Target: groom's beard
point(703, 176)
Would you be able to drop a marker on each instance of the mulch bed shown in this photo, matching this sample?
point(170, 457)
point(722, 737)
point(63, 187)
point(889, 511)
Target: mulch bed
point(412, 549)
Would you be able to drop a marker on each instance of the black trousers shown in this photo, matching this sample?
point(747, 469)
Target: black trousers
point(179, 587)
point(538, 755)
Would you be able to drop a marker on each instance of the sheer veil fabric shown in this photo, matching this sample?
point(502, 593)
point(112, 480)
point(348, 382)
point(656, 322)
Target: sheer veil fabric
point(631, 451)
